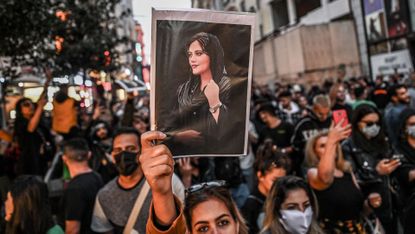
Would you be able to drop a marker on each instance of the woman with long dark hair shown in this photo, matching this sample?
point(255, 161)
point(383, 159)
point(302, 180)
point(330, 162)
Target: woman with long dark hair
point(203, 100)
point(370, 155)
point(291, 207)
point(33, 137)
point(27, 208)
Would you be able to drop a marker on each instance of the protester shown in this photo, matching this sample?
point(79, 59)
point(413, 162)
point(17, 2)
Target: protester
point(247, 161)
point(369, 153)
point(269, 166)
point(332, 180)
point(288, 111)
point(338, 100)
point(116, 199)
point(64, 114)
point(33, 137)
point(209, 208)
point(399, 100)
point(379, 93)
point(406, 172)
point(279, 131)
point(317, 120)
point(99, 141)
point(291, 208)
point(80, 193)
point(27, 208)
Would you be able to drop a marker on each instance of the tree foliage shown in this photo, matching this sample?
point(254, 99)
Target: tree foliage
point(72, 35)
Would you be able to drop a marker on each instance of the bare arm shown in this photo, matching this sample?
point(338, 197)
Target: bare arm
point(34, 121)
point(157, 165)
point(322, 177)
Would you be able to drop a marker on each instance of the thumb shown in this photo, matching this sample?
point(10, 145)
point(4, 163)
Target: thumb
point(148, 138)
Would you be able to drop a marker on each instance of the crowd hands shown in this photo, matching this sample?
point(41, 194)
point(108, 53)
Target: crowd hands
point(306, 170)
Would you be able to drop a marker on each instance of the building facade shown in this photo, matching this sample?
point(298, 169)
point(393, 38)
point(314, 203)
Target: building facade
point(305, 41)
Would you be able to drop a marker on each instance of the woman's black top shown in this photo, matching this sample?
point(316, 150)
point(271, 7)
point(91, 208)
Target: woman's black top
point(341, 201)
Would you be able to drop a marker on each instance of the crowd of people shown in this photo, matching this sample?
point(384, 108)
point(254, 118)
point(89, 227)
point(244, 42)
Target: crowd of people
point(307, 170)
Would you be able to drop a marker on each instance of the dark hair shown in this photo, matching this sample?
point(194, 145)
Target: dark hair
point(403, 117)
point(211, 46)
point(267, 158)
point(19, 104)
point(378, 144)
point(220, 193)
point(125, 131)
point(76, 149)
point(32, 212)
point(268, 108)
point(285, 94)
point(278, 193)
point(392, 90)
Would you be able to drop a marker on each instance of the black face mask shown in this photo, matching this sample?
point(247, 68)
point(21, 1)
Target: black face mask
point(126, 162)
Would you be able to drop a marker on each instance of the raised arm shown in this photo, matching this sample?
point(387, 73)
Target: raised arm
point(157, 165)
point(34, 121)
point(322, 177)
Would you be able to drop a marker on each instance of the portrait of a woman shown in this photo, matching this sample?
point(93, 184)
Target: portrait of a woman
point(203, 100)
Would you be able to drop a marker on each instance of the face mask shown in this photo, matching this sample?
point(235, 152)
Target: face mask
point(371, 131)
point(411, 131)
point(126, 162)
point(296, 222)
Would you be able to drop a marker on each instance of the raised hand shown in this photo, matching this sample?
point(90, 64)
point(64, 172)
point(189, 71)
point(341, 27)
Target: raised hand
point(157, 163)
point(338, 133)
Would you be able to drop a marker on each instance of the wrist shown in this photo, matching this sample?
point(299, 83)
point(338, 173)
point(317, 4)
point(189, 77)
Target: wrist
point(214, 108)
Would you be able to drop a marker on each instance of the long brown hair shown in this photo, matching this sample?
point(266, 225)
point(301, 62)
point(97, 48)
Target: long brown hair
point(31, 207)
point(220, 193)
point(277, 196)
point(312, 158)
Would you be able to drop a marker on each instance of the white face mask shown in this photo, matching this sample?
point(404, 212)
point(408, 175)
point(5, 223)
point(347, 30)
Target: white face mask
point(371, 131)
point(411, 131)
point(296, 222)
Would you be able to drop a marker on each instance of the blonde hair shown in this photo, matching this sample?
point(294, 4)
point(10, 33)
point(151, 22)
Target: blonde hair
point(312, 159)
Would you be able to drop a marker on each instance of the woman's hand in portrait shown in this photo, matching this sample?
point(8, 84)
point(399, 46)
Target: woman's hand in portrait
point(189, 137)
point(387, 166)
point(211, 91)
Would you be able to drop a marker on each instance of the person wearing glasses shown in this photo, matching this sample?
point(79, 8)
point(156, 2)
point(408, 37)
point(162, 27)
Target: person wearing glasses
point(33, 136)
point(371, 158)
point(291, 208)
point(115, 201)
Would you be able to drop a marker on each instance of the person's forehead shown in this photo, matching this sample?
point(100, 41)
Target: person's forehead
point(209, 210)
point(296, 196)
point(124, 140)
point(401, 90)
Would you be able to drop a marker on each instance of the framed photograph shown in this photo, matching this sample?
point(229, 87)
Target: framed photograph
point(201, 72)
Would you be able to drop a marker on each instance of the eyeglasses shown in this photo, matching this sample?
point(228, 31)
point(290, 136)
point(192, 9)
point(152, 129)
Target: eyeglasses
point(204, 185)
